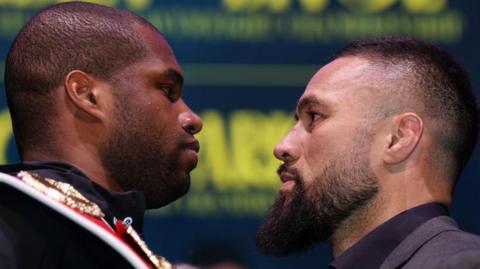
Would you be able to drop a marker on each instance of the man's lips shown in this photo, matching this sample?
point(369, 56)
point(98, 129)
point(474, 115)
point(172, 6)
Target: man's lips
point(288, 180)
point(287, 173)
point(288, 176)
point(191, 150)
point(195, 146)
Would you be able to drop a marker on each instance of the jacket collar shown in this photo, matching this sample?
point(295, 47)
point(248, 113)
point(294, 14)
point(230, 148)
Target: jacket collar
point(384, 239)
point(404, 252)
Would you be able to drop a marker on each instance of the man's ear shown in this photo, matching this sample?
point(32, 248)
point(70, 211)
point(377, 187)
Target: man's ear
point(83, 92)
point(406, 132)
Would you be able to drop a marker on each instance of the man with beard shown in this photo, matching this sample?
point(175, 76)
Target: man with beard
point(95, 95)
point(382, 134)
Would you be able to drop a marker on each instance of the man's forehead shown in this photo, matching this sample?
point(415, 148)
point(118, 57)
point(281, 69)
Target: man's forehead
point(154, 66)
point(341, 70)
point(157, 46)
point(346, 75)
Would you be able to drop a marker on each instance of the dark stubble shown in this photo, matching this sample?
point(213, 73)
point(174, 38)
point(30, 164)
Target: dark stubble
point(306, 216)
point(134, 154)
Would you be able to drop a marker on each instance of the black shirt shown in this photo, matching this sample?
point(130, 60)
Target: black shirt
point(373, 249)
point(128, 205)
point(34, 236)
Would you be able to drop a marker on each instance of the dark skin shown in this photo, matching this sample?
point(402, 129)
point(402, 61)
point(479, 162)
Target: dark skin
point(87, 115)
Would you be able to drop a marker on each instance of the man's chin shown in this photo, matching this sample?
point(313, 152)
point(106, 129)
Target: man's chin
point(291, 225)
point(183, 186)
point(170, 193)
point(187, 185)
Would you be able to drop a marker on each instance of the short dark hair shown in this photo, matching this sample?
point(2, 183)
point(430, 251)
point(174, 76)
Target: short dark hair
point(439, 84)
point(96, 39)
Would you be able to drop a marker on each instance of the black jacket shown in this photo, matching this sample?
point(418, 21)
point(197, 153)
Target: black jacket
point(34, 236)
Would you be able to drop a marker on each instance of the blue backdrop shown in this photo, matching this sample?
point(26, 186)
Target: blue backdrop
point(246, 63)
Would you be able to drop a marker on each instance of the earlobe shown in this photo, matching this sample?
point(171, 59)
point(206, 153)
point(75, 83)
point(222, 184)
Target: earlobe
point(81, 92)
point(405, 136)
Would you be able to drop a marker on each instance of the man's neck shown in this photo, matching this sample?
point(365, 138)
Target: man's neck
point(356, 226)
point(374, 214)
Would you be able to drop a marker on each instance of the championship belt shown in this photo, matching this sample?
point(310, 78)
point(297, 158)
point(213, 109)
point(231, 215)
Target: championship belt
point(66, 200)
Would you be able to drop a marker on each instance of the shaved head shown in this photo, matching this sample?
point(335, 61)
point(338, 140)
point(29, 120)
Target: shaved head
point(95, 39)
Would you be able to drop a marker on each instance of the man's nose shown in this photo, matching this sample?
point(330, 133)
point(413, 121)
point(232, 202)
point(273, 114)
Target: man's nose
point(190, 121)
point(287, 149)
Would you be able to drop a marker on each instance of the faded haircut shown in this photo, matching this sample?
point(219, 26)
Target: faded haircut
point(437, 82)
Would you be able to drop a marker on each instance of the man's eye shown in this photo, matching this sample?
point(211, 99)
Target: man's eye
point(169, 91)
point(313, 116)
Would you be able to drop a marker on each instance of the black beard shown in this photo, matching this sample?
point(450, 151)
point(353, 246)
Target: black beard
point(292, 227)
point(298, 222)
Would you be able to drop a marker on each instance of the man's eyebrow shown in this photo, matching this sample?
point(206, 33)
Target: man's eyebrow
point(305, 102)
point(174, 75)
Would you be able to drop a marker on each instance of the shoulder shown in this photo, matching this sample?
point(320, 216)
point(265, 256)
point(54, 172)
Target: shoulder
point(32, 233)
point(8, 243)
point(436, 244)
point(47, 224)
point(448, 238)
point(466, 259)
point(449, 248)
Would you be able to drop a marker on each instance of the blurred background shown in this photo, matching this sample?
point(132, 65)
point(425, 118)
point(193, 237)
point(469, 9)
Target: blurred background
point(246, 62)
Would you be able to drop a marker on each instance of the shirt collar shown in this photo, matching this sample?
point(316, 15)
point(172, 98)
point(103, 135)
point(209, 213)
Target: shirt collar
point(120, 205)
point(373, 249)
